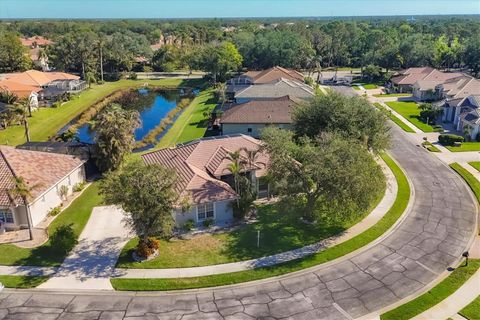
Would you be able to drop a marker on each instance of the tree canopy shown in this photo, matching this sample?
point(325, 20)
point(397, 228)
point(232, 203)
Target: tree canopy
point(351, 117)
point(13, 55)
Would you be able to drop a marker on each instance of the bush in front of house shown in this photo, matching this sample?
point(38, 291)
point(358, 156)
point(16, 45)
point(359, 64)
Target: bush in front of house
point(309, 81)
point(53, 212)
point(146, 248)
point(63, 239)
point(79, 186)
point(188, 226)
point(207, 223)
point(449, 139)
point(437, 128)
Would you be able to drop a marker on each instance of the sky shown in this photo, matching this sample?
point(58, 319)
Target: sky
point(85, 9)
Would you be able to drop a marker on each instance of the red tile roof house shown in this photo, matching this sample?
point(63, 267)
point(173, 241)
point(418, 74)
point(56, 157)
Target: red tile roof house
point(455, 94)
point(251, 117)
point(204, 178)
point(47, 171)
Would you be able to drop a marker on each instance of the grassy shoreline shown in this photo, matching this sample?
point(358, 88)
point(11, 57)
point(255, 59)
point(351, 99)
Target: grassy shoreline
point(374, 232)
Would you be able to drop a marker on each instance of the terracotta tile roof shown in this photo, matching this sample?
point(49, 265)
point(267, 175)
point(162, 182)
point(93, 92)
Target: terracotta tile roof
point(273, 74)
point(277, 89)
point(38, 40)
point(39, 78)
point(19, 89)
point(425, 78)
point(200, 163)
point(462, 88)
point(411, 75)
point(37, 168)
point(275, 110)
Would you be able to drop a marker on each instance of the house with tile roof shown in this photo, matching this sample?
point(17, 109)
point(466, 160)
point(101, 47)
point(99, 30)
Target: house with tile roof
point(43, 86)
point(276, 89)
point(203, 175)
point(455, 95)
point(45, 172)
point(252, 116)
point(267, 76)
point(466, 113)
point(36, 46)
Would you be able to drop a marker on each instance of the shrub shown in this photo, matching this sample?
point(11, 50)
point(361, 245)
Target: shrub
point(188, 226)
point(143, 250)
point(437, 128)
point(132, 76)
point(309, 81)
point(79, 186)
point(153, 243)
point(207, 223)
point(449, 139)
point(63, 192)
point(63, 239)
point(53, 212)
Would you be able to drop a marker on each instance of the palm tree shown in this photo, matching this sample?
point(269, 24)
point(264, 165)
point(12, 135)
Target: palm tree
point(235, 167)
point(467, 131)
point(21, 111)
point(24, 191)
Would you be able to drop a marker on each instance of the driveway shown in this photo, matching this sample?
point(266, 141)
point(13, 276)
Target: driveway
point(92, 261)
point(438, 228)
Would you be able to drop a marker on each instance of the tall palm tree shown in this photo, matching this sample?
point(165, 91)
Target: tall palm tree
point(24, 191)
point(235, 167)
point(21, 111)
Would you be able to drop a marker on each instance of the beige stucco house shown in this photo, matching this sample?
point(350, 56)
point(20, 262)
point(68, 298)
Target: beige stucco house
point(45, 172)
point(203, 175)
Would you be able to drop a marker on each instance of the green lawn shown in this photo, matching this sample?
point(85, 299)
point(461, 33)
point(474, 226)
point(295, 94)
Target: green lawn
point(469, 178)
point(472, 311)
point(279, 232)
point(46, 255)
point(369, 86)
point(192, 123)
point(430, 147)
point(329, 254)
point(465, 147)
point(394, 118)
point(476, 165)
point(46, 122)
point(22, 282)
point(411, 112)
point(435, 295)
point(390, 95)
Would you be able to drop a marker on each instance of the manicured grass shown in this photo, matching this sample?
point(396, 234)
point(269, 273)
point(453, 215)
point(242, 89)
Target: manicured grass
point(356, 88)
point(390, 95)
point(476, 165)
point(46, 122)
point(369, 86)
point(435, 295)
point(394, 118)
point(473, 183)
point(411, 112)
point(279, 232)
point(465, 147)
point(472, 311)
point(22, 282)
point(76, 214)
point(192, 123)
point(430, 147)
point(329, 254)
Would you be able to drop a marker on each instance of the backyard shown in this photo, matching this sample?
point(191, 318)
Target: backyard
point(411, 112)
point(46, 122)
point(279, 232)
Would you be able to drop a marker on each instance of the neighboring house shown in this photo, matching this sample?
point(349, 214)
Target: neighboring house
point(266, 76)
point(421, 81)
point(252, 116)
point(203, 175)
point(465, 113)
point(37, 46)
point(455, 94)
point(47, 86)
point(47, 171)
point(279, 88)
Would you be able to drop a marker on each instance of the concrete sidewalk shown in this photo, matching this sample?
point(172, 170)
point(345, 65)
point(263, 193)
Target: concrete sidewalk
point(380, 210)
point(455, 302)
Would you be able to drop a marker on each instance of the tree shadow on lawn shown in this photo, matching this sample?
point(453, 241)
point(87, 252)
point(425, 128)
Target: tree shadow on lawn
point(279, 232)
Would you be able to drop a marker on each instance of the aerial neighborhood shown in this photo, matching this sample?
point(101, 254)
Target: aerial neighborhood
point(172, 155)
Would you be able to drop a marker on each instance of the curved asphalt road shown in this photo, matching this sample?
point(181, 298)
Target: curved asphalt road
point(432, 237)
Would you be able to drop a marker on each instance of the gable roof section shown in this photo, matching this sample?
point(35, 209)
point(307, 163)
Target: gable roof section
point(273, 110)
point(19, 89)
point(41, 169)
point(276, 89)
point(274, 74)
point(39, 78)
point(200, 163)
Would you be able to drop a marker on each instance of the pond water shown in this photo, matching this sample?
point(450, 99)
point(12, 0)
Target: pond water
point(152, 106)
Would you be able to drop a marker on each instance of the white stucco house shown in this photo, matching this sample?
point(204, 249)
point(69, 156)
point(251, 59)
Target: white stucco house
point(45, 172)
point(204, 178)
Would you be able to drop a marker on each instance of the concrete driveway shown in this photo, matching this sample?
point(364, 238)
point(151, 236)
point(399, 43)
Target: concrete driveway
point(92, 261)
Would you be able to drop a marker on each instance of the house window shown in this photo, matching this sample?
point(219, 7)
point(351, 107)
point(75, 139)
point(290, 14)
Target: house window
point(205, 211)
point(249, 130)
point(6, 216)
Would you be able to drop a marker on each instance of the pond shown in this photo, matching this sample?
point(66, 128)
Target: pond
point(153, 106)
